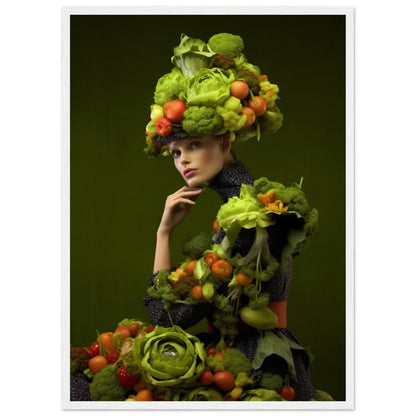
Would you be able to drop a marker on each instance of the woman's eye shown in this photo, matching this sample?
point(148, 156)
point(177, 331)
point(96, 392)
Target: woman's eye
point(175, 153)
point(196, 145)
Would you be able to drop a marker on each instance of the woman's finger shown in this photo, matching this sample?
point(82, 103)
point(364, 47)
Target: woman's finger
point(177, 201)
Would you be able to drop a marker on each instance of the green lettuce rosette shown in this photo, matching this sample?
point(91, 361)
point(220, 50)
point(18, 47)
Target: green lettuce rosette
point(199, 394)
point(169, 357)
point(261, 395)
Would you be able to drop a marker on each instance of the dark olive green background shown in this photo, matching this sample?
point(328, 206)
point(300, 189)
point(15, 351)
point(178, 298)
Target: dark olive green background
point(117, 195)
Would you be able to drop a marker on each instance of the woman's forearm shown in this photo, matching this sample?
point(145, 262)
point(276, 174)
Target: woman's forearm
point(162, 252)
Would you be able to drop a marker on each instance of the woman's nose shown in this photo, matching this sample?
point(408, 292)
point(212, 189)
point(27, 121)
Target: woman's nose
point(184, 159)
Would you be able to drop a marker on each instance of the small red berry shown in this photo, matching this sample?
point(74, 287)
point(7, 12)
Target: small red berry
point(94, 350)
point(126, 379)
point(112, 357)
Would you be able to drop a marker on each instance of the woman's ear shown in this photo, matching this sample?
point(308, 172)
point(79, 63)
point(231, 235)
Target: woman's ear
point(226, 143)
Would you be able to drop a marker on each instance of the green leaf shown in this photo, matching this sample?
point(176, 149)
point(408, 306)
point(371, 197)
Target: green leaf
point(270, 343)
point(191, 55)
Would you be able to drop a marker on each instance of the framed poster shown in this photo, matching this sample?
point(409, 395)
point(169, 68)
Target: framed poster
point(114, 194)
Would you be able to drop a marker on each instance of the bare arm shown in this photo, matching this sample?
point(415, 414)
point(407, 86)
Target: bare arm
point(177, 207)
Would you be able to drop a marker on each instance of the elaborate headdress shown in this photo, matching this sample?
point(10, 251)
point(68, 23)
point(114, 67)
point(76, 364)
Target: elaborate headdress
point(211, 90)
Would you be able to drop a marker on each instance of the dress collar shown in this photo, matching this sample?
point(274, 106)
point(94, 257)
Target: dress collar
point(228, 182)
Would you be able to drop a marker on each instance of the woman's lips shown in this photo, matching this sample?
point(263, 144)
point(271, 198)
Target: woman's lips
point(188, 172)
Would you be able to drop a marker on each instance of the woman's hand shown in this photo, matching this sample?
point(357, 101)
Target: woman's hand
point(177, 207)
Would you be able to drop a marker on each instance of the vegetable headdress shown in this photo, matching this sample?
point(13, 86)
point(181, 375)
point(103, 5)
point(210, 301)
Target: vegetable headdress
point(211, 90)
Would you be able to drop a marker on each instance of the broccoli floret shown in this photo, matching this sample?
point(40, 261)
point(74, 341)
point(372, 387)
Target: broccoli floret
point(271, 121)
point(230, 112)
point(170, 86)
point(163, 289)
point(195, 245)
point(271, 381)
point(226, 44)
point(291, 195)
point(201, 121)
point(260, 301)
point(79, 359)
point(237, 362)
point(106, 387)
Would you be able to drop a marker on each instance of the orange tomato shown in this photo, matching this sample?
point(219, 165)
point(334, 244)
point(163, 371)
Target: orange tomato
point(196, 292)
point(222, 268)
point(243, 279)
point(107, 341)
point(145, 395)
point(97, 363)
point(262, 78)
point(181, 271)
point(191, 266)
point(210, 258)
point(215, 226)
point(249, 113)
point(260, 107)
point(124, 331)
point(219, 355)
point(239, 89)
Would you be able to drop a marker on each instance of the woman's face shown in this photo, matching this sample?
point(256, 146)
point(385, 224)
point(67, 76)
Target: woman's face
point(199, 159)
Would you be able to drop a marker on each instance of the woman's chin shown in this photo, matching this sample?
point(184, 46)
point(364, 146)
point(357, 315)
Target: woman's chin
point(194, 182)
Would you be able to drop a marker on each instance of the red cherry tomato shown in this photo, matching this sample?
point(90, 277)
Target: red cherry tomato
point(206, 378)
point(174, 110)
point(124, 331)
point(287, 393)
point(164, 126)
point(224, 380)
point(222, 268)
point(211, 351)
point(259, 108)
point(210, 258)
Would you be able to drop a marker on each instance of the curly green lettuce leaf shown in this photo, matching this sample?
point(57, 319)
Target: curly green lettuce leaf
point(242, 212)
point(209, 87)
point(191, 55)
point(171, 86)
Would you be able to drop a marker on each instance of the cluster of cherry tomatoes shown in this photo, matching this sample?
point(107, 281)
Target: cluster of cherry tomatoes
point(224, 380)
point(111, 355)
point(256, 106)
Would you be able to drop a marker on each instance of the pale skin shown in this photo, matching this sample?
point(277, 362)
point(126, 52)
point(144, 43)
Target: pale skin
point(198, 160)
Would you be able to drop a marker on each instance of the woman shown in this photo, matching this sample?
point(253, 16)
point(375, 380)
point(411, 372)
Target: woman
point(211, 110)
point(209, 161)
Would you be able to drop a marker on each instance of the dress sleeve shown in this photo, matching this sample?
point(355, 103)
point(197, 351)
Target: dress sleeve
point(183, 315)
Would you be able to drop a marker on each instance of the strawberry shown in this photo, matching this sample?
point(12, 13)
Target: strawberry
point(112, 357)
point(126, 379)
point(94, 350)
